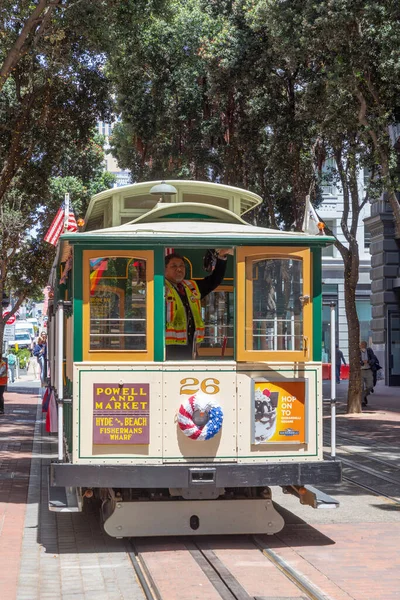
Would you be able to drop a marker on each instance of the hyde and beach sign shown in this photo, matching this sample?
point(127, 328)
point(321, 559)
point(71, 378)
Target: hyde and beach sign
point(121, 413)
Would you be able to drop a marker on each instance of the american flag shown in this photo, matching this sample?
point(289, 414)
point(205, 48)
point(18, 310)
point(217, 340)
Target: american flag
point(169, 251)
point(57, 226)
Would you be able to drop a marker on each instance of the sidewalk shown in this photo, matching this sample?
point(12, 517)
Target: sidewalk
point(47, 555)
point(17, 428)
point(384, 397)
point(379, 420)
point(25, 384)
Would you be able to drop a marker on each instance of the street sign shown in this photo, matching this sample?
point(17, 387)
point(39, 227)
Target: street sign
point(9, 333)
point(11, 320)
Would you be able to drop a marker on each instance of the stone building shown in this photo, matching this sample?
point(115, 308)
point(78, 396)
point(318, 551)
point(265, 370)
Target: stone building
point(385, 287)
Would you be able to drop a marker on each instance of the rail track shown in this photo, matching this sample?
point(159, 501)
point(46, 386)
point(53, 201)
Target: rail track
point(203, 554)
point(377, 471)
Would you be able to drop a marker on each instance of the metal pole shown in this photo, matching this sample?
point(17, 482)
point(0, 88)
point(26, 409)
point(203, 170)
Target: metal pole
point(333, 380)
point(66, 212)
point(60, 379)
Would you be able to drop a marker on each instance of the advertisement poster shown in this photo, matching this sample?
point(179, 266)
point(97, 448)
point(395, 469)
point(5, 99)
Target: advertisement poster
point(121, 413)
point(279, 412)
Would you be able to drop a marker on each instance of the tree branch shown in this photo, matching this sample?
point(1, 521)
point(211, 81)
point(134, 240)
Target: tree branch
point(39, 17)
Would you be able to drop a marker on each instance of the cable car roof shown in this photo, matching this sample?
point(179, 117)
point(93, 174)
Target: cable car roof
point(163, 228)
point(115, 206)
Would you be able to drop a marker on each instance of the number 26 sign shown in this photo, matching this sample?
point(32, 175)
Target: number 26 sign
point(191, 385)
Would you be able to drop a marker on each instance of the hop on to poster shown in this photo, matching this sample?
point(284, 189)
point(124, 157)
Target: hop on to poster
point(279, 412)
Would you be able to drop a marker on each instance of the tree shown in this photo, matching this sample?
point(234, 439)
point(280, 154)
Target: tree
point(355, 42)
point(355, 101)
point(215, 91)
point(350, 157)
point(53, 90)
point(161, 92)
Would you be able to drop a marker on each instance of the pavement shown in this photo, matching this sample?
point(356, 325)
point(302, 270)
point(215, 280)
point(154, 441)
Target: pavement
point(24, 384)
point(50, 556)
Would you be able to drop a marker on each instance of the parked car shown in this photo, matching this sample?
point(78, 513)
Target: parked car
point(25, 326)
point(23, 339)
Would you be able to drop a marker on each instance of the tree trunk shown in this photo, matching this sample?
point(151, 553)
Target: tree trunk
point(351, 276)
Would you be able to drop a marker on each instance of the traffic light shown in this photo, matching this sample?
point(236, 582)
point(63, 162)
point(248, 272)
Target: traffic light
point(6, 299)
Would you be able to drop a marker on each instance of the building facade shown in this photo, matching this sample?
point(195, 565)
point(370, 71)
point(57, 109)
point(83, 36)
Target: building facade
point(123, 177)
point(385, 276)
point(331, 211)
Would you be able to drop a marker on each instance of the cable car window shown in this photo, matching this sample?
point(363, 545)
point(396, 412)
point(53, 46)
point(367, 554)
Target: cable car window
point(117, 303)
point(218, 317)
point(277, 305)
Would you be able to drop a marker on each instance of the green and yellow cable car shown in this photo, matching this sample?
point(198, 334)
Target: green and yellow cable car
point(189, 445)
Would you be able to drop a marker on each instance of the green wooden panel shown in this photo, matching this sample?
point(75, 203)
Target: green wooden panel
point(317, 303)
point(78, 304)
point(67, 417)
point(159, 305)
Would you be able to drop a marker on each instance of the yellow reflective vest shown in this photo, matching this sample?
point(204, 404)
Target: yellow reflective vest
point(176, 328)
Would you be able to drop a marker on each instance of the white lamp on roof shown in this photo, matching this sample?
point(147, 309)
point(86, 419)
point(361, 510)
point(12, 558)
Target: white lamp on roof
point(163, 189)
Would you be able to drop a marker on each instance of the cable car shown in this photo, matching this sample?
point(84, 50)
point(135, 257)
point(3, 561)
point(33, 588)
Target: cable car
point(177, 446)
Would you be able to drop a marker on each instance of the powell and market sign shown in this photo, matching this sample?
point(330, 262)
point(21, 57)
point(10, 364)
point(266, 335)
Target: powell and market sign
point(121, 414)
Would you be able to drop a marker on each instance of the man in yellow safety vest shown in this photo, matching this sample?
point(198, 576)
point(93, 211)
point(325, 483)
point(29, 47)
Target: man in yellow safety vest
point(184, 324)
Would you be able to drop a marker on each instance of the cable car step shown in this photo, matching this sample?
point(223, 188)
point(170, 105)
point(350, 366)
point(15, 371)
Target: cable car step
point(63, 499)
point(311, 496)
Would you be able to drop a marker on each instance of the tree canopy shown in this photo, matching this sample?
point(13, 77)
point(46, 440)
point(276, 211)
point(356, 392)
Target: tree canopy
point(53, 90)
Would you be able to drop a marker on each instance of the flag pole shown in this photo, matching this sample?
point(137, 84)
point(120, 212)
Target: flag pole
point(66, 212)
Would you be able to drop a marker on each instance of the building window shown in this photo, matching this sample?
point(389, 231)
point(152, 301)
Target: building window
point(330, 250)
point(364, 313)
point(367, 238)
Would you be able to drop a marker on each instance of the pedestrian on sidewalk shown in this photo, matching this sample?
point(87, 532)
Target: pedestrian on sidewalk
point(368, 363)
point(40, 351)
point(339, 360)
point(3, 382)
point(33, 367)
point(11, 362)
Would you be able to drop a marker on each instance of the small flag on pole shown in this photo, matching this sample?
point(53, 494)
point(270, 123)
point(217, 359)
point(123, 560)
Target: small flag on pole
point(60, 224)
point(311, 222)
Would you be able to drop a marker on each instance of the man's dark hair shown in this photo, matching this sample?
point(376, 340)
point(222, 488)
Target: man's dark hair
point(169, 257)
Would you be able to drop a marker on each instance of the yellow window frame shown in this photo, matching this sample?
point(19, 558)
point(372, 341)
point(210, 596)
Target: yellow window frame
point(119, 355)
point(244, 309)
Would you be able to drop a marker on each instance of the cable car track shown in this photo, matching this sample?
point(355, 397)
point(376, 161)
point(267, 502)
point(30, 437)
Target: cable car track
point(142, 573)
point(368, 470)
point(373, 490)
point(356, 438)
point(223, 581)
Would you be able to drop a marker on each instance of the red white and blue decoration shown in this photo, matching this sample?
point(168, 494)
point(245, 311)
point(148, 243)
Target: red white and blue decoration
point(203, 408)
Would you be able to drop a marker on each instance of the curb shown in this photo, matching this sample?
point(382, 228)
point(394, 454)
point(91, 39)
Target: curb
point(24, 390)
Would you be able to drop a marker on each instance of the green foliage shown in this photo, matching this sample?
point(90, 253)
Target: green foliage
point(53, 90)
point(251, 93)
point(23, 357)
point(206, 92)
